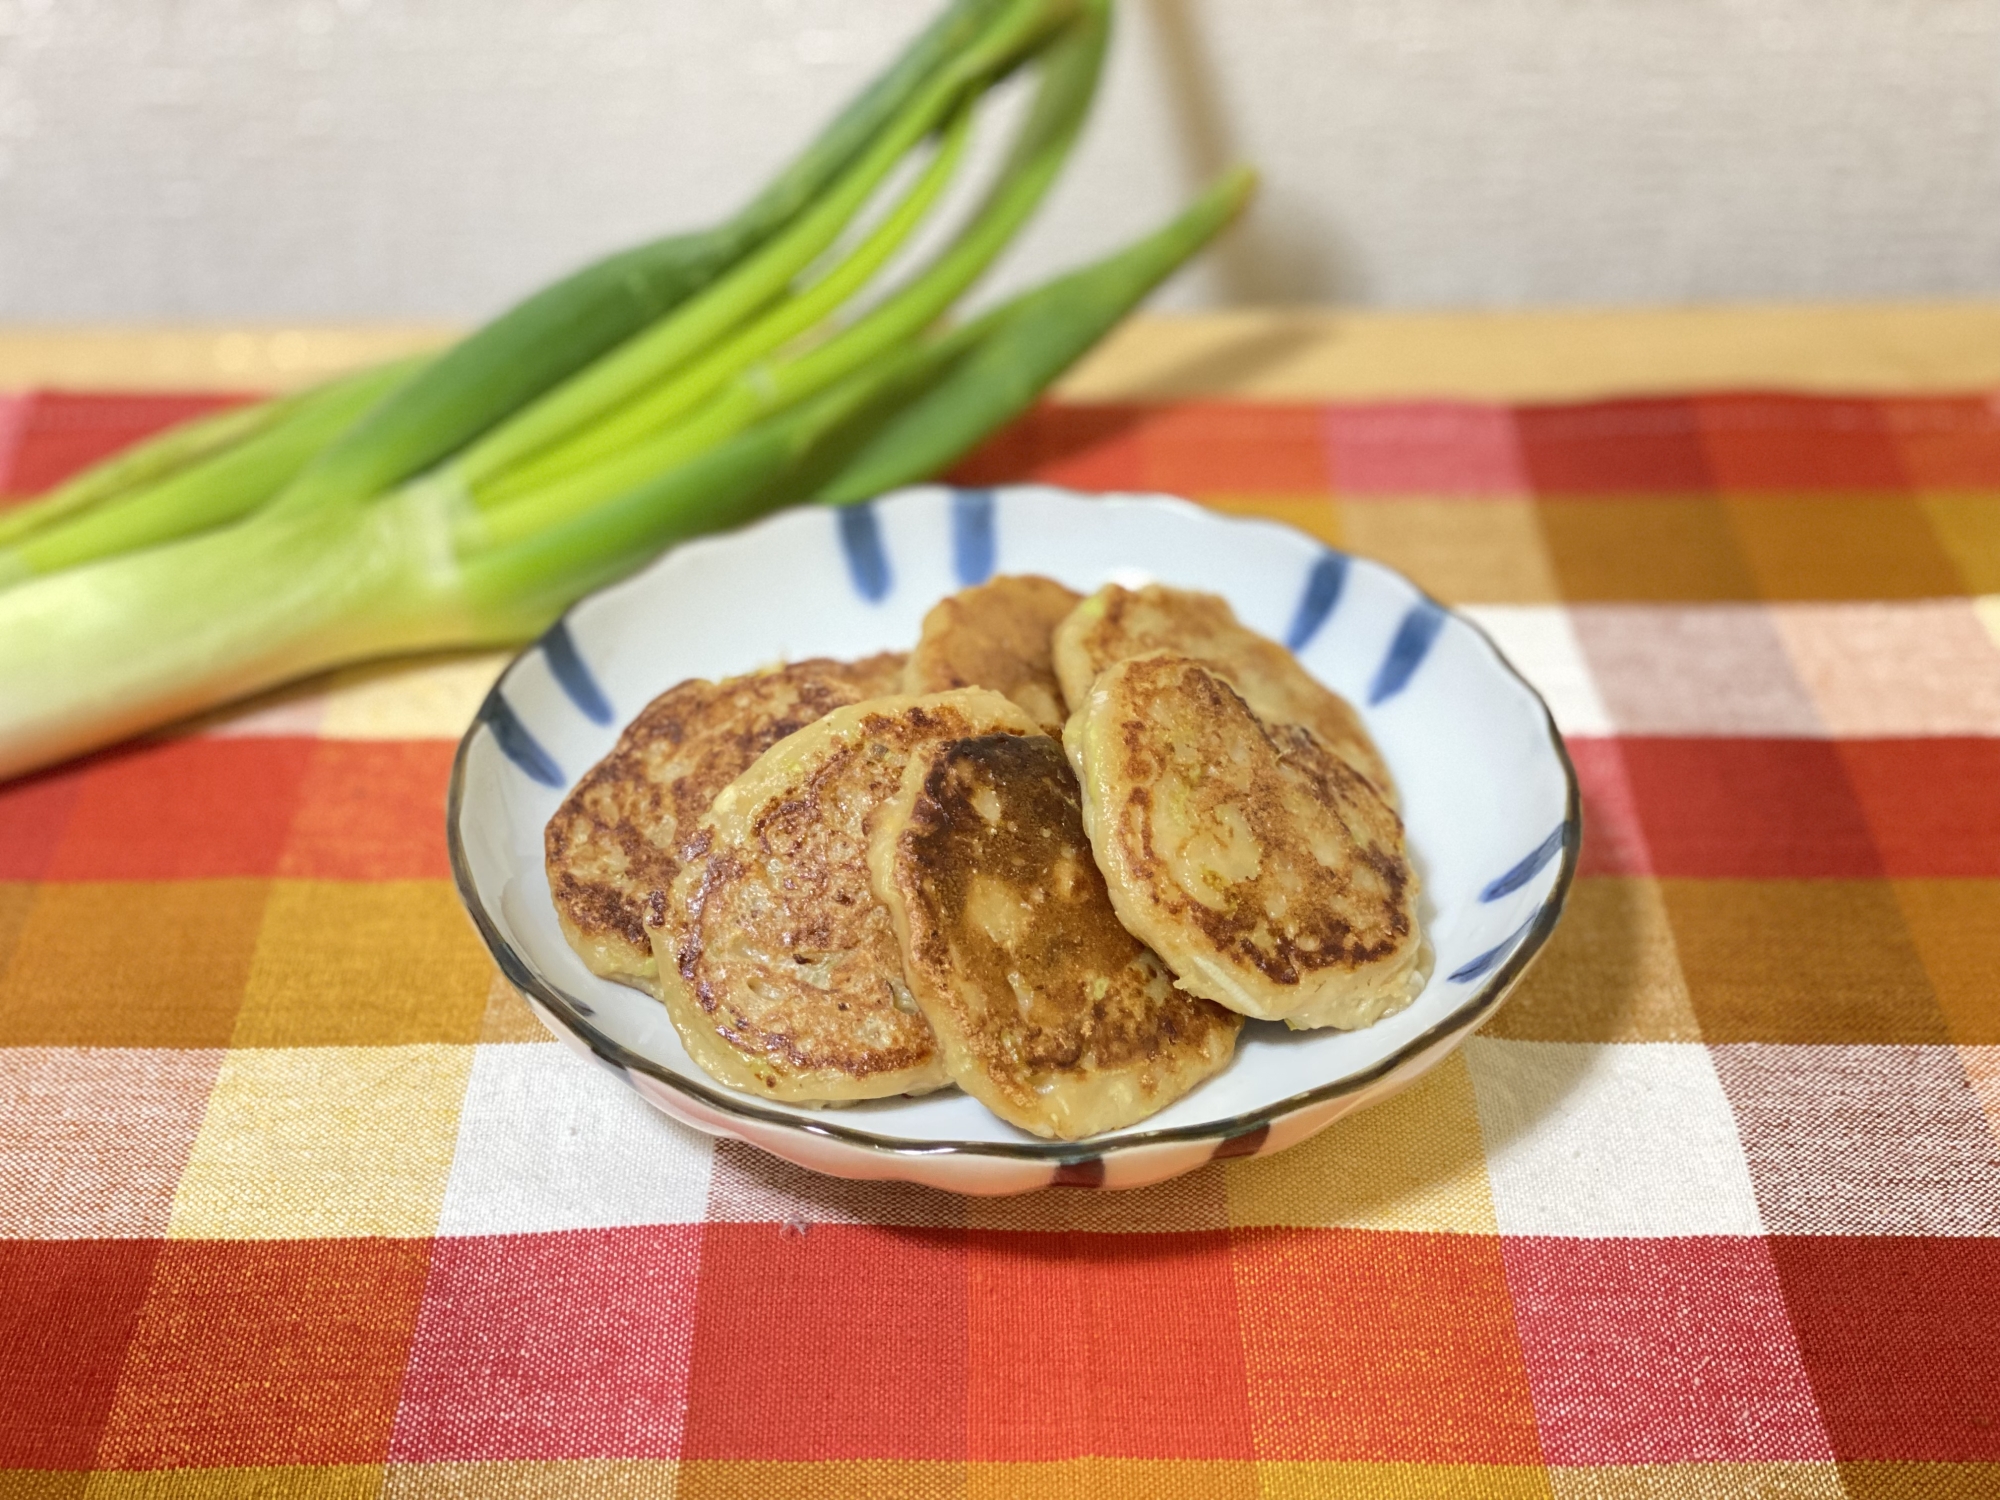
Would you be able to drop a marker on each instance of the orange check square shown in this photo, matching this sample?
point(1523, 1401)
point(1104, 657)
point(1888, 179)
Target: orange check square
point(1273, 450)
point(273, 1352)
point(371, 810)
point(131, 963)
point(1106, 1345)
point(1956, 927)
point(1915, 1479)
point(1968, 528)
point(1463, 551)
point(1316, 515)
point(17, 899)
point(353, 963)
point(1085, 447)
point(1808, 962)
point(1610, 973)
point(1768, 442)
point(1946, 442)
point(1376, 1346)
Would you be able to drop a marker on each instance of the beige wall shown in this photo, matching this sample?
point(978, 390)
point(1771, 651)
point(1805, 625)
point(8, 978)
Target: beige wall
point(244, 159)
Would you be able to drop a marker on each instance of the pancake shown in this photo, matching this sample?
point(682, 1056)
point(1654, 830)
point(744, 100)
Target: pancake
point(1046, 1010)
point(996, 636)
point(1262, 867)
point(1115, 623)
point(613, 847)
point(779, 967)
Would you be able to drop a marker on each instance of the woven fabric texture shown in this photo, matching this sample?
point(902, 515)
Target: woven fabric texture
point(297, 1199)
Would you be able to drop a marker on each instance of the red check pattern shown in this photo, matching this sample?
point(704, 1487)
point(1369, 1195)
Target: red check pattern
point(293, 1202)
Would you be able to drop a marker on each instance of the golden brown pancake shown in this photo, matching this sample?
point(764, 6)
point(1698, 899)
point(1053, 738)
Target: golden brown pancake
point(779, 967)
point(613, 847)
point(1115, 623)
point(1046, 1010)
point(996, 636)
point(1269, 875)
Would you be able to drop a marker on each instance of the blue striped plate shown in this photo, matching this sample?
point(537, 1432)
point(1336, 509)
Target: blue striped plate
point(1489, 797)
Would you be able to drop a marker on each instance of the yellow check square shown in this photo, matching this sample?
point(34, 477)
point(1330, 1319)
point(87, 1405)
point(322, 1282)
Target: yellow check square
point(312, 1142)
point(1413, 1162)
point(349, 963)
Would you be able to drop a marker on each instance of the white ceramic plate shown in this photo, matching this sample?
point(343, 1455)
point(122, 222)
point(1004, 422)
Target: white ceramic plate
point(1489, 797)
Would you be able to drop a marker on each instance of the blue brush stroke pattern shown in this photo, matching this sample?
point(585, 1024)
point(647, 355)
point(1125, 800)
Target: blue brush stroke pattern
point(1407, 651)
point(1248, 1143)
point(518, 745)
point(1089, 1173)
point(1528, 868)
point(974, 549)
point(572, 674)
point(1492, 956)
point(867, 560)
point(1323, 585)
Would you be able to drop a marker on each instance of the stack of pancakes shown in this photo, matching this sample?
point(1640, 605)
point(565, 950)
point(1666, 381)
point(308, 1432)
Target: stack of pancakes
point(1053, 856)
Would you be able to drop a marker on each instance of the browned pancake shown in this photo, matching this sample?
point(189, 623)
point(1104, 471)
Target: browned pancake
point(1115, 623)
point(1269, 875)
point(1047, 1011)
point(613, 847)
point(779, 967)
point(996, 636)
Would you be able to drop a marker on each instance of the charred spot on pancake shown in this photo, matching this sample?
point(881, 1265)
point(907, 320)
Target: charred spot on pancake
point(1046, 1008)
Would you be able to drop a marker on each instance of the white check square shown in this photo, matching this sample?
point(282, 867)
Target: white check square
point(1542, 644)
point(1610, 1139)
point(548, 1142)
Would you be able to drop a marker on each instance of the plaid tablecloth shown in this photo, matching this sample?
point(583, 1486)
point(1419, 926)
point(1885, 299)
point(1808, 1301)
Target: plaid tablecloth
point(297, 1199)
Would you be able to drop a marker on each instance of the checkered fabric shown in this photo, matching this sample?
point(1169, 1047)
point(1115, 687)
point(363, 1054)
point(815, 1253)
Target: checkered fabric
point(297, 1199)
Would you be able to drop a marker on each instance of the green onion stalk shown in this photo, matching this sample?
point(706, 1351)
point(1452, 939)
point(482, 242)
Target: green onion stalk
point(693, 384)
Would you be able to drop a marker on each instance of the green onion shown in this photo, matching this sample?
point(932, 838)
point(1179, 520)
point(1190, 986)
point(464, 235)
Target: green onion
point(469, 500)
point(146, 462)
point(216, 487)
